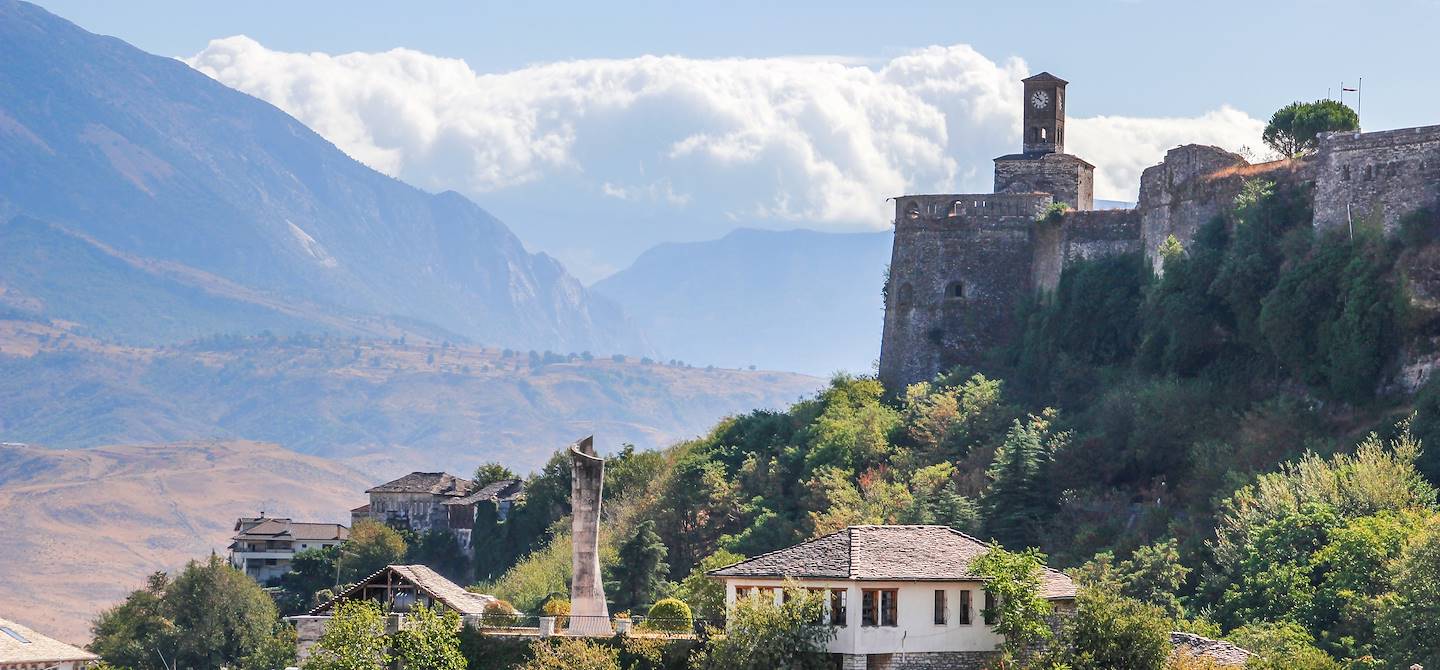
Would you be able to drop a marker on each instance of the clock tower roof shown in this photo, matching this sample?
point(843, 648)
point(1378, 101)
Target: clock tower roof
point(1044, 77)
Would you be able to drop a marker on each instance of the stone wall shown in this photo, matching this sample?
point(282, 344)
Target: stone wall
point(1377, 177)
point(959, 265)
point(932, 660)
point(1067, 178)
point(1082, 236)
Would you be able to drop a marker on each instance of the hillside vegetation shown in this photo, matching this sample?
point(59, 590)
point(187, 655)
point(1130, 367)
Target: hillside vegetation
point(1197, 440)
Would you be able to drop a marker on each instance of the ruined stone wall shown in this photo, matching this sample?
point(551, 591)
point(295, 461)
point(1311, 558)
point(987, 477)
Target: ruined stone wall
point(1067, 178)
point(1195, 184)
point(954, 280)
point(1082, 236)
point(1376, 177)
point(1175, 199)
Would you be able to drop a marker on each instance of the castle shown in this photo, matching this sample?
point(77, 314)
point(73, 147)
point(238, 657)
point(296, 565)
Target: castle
point(961, 263)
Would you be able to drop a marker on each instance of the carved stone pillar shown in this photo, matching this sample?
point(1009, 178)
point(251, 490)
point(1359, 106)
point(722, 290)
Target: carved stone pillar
point(589, 614)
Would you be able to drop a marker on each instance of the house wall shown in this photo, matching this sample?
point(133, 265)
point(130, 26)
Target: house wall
point(916, 630)
point(423, 510)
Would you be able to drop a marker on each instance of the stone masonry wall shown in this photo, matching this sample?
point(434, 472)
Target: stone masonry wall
point(1067, 178)
point(1082, 236)
point(1378, 177)
point(933, 660)
point(959, 265)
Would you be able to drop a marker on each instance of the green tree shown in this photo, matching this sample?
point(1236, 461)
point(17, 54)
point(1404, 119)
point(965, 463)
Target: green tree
point(354, 639)
point(428, 640)
point(311, 570)
point(571, 654)
point(489, 473)
point(638, 577)
point(1020, 498)
point(222, 615)
point(1020, 611)
point(936, 499)
point(761, 635)
point(210, 615)
point(277, 651)
point(706, 594)
point(137, 633)
point(371, 547)
point(1111, 631)
point(1281, 645)
point(1153, 575)
point(1409, 626)
point(438, 550)
point(1294, 129)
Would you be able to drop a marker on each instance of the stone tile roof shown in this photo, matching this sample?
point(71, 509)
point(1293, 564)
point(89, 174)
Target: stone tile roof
point(1045, 76)
point(434, 483)
point(505, 489)
point(427, 581)
point(19, 644)
point(889, 553)
point(1220, 652)
point(285, 529)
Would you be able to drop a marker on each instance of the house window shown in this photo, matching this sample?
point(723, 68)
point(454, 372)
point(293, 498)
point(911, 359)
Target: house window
point(838, 598)
point(743, 592)
point(940, 607)
point(964, 618)
point(889, 615)
point(990, 614)
point(879, 607)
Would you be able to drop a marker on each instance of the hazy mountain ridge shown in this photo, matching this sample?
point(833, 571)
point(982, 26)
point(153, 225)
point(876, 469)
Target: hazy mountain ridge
point(154, 159)
point(382, 405)
point(798, 299)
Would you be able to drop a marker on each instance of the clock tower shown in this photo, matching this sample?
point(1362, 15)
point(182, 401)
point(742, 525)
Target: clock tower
point(1044, 114)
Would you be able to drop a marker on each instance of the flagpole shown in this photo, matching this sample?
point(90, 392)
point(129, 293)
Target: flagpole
point(1359, 97)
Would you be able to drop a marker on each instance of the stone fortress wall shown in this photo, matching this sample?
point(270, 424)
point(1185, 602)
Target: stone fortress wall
point(962, 263)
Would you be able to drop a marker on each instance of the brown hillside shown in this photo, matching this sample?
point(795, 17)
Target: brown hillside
point(84, 527)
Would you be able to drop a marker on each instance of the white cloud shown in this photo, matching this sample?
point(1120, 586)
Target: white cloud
point(811, 141)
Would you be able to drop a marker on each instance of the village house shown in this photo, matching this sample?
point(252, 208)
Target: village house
point(898, 597)
point(462, 512)
point(437, 501)
point(24, 649)
point(415, 501)
point(263, 547)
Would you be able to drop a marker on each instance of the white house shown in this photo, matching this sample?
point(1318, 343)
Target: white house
point(263, 547)
point(899, 597)
point(25, 649)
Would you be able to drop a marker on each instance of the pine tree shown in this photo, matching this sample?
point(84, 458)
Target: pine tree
point(639, 575)
point(1019, 498)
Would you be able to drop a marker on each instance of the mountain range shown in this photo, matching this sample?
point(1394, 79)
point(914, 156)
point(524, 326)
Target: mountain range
point(153, 204)
point(791, 300)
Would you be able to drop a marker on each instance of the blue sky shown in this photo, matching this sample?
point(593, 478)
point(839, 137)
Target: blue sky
point(672, 163)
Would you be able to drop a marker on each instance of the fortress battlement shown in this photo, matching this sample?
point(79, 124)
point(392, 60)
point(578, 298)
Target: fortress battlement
point(913, 208)
point(962, 262)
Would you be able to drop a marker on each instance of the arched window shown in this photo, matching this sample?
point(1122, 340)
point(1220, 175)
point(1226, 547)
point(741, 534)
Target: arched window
point(1042, 134)
point(955, 290)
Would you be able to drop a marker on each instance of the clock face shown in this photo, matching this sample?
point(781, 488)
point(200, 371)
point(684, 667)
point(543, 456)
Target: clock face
point(1040, 99)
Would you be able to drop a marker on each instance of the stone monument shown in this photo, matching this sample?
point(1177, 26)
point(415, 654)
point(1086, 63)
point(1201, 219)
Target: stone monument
point(589, 614)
